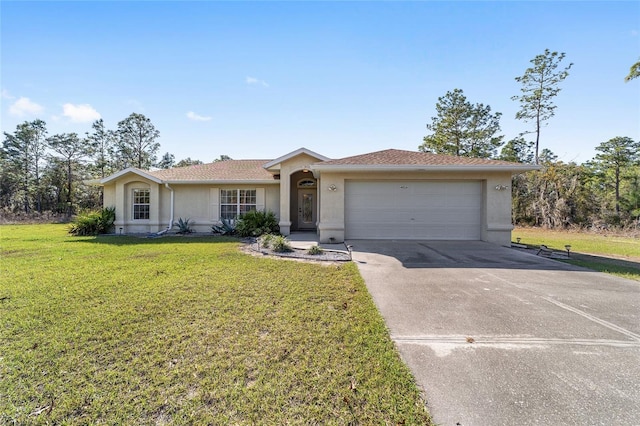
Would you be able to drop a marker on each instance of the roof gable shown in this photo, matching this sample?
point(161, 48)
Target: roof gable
point(132, 170)
point(293, 154)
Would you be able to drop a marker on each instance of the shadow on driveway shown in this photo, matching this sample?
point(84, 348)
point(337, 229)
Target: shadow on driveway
point(458, 254)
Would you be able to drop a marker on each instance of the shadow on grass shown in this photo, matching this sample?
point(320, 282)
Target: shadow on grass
point(129, 240)
point(627, 268)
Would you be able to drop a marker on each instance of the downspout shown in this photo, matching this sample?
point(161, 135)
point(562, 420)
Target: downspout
point(171, 216)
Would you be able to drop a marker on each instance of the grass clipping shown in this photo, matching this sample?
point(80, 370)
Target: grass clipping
point(121, 330)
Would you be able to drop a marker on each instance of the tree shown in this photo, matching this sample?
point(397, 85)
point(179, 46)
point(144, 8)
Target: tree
point(102, 143)
point(517, 150)
point(222, 158)
point(634, 72)
point(188, 162)
point(540, 84)
point(462, 129)
point(70, 149)
point(614, 156)
point(167, 161)
point(8, 184)
point(136, 141)
point(23, 153)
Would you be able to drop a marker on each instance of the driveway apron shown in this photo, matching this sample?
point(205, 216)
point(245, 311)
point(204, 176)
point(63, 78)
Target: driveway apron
point(495, 336)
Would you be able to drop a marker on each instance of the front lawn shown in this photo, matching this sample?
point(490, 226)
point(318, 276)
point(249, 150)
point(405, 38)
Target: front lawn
point(177, 330)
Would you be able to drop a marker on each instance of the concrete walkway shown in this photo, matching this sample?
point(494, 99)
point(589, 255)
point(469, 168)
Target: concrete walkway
point(499, 337)
point(304, 240)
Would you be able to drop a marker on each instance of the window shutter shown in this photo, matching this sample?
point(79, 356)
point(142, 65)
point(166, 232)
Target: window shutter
point(214, 199)
point(260, 202)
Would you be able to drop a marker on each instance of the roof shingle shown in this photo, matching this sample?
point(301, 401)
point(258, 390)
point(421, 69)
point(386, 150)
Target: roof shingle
point(399, 157)
point(231, 170)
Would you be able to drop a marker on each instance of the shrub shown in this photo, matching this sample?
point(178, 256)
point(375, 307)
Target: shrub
point(93, 222)
point(265, 240)
point(313, 250)
point(280, 244)
point(226, 227)
point(257, 222)
point(184, 227)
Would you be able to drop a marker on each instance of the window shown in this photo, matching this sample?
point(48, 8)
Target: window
point(235, 202)
point(307, 183)
point(141, 201)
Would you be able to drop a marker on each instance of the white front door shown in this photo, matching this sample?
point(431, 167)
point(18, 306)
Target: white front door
point(307, 207)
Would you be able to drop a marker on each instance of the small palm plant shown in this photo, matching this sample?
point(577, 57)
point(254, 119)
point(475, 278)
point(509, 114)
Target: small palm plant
point(184, 227)
point(280, 244)
point(226, 227)
point(315, 250)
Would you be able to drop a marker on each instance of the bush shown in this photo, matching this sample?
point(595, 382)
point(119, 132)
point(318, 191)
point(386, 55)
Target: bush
point(184, 227)
point(314, 250)
point(94, 222)
point(266, 240)
point(256, 223)
point(226, 227)
point(280, 244)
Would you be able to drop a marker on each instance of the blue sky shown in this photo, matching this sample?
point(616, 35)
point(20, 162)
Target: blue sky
point(260, 79)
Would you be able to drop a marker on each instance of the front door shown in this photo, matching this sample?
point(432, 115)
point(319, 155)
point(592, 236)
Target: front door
point(307, 207)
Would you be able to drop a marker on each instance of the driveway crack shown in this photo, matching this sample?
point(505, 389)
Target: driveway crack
point(506, 340)
point(597, 320)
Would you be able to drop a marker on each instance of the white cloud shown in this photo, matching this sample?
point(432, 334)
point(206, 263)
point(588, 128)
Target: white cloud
point(24, 106)
point(195, 117)
point(83, 113)
point(253, 80)
point(634, 33)
point(6, 94)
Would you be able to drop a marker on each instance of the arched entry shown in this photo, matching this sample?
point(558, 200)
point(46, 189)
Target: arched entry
point(304, 201)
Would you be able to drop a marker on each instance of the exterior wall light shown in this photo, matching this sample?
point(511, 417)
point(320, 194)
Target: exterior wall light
point(333, 188)
point(501, 187)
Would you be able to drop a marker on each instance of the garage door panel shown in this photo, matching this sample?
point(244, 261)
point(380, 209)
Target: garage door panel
point(413, 210)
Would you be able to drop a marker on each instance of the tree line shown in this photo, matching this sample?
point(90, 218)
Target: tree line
point(49, 173)
point(602, 192)
point(41, 173)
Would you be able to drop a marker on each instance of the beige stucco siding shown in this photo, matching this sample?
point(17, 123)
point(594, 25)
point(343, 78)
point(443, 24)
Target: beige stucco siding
point(196, 202)
point(192, 202)
point(287, 168)
point(109, 195)
point(201, 203)
point(496, 208)
point(119, 195)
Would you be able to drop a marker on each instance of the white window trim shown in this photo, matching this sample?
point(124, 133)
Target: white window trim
point(134, 204)
point(238, 204)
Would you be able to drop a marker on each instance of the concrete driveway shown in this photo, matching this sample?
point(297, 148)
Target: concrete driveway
point(495, 336)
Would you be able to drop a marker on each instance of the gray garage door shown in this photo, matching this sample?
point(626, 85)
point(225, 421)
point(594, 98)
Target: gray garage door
point(413, 210)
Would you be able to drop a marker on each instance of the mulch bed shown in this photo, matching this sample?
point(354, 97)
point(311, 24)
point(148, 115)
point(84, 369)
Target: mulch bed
point(298, 254)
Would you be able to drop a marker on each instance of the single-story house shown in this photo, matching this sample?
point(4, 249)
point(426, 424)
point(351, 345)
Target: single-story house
point(390, 194)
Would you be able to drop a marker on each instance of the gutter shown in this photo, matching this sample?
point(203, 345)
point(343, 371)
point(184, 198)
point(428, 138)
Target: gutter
point(224, 182)
point(171, 216)
point(426, 168)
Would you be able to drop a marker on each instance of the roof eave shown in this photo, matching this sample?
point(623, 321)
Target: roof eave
point(224, 182)
point(423, 168)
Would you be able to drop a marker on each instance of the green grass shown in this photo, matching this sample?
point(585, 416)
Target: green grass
point(614, 254)
point(121, 330)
